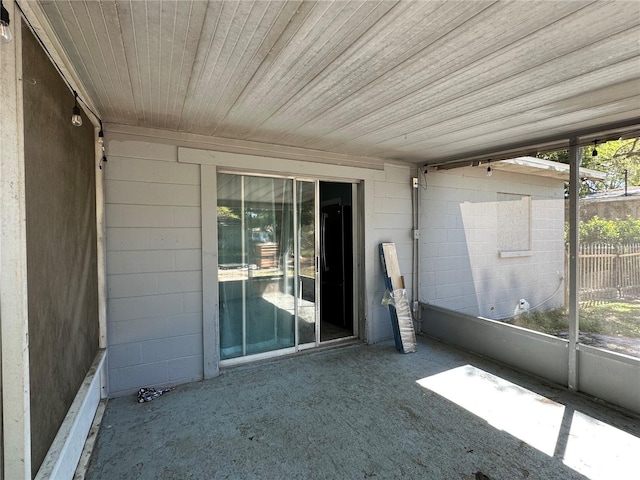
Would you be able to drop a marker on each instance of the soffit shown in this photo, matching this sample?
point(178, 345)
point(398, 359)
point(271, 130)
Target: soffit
point(422, 81)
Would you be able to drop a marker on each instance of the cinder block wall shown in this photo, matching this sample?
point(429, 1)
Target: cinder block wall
point(461, 268)
point(392, 223)
point(154, 269)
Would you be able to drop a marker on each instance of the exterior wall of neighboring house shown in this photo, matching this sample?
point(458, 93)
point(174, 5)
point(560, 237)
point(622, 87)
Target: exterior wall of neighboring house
point(155, 245)
point(612, 204)
point(488, 242)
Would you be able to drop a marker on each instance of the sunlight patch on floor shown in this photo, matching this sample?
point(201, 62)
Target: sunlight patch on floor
point(588, 446)
point(528, 416)
point(600, 451)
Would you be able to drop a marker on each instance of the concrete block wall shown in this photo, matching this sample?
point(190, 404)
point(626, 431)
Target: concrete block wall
point(461, 267)
point(392, 223)
point(154, 267)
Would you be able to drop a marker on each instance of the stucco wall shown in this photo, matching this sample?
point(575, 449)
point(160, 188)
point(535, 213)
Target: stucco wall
point(61, 246)
point(462, 267)
point(154, 270)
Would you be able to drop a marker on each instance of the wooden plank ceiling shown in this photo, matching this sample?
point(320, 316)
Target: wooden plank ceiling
point(418, 81)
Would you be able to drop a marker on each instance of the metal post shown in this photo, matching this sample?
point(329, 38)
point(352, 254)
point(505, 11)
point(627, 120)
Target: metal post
point(574, 238)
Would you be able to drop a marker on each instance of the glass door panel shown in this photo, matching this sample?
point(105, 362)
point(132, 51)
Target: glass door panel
point(256, 269)
point(306, 261)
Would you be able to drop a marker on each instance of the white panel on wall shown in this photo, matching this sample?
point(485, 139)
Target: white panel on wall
point(154, 267)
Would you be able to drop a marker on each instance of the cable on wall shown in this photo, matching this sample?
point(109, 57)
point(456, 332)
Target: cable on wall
point(76, 118)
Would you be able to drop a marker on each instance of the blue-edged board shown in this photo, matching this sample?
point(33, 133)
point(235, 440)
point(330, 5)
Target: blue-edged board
point(401, 319)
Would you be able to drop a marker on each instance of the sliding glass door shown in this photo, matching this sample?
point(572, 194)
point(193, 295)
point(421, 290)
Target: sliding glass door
point(306, 262)
point(266, 267)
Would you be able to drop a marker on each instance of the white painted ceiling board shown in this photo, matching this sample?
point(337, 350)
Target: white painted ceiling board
point(378, 64)
point(311, 47)
point(95, 58)
point(539, 106)
point(522, 135)
point(411, 82)
point(417, 81)
point(486, 83)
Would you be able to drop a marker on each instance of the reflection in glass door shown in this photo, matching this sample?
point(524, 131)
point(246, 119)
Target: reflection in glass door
point(255, 271)
point(266, 266)
point(306, 261)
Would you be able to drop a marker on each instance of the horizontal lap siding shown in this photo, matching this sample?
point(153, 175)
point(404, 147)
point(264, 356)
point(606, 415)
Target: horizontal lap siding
point(154, 267)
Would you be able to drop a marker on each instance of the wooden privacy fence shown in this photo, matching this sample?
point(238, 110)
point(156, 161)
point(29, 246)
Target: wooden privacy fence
point(608, 271)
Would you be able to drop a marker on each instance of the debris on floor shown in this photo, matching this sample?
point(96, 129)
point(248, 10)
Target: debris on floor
point(146, 394)
point(482, 476)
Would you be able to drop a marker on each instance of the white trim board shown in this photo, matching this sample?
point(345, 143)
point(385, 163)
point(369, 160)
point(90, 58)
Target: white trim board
point(280, 166)
point(243, 147)
point(65, 451)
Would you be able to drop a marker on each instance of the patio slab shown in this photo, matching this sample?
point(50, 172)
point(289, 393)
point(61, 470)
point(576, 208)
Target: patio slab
point(360, 412)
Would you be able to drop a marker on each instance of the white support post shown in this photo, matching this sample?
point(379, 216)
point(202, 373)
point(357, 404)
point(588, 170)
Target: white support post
point(574, 191)
point(14, 324)
point(101, 259)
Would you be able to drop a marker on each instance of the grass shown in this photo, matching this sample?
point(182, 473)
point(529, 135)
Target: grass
point(613, 318)
point(618, 318)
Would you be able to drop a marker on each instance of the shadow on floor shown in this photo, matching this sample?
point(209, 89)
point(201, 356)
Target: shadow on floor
point(366, 412)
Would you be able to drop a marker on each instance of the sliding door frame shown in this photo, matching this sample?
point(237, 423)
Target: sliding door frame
point(295, 181)
point(210, 162)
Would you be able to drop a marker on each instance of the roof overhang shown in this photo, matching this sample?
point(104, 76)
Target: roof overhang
point(544, 168)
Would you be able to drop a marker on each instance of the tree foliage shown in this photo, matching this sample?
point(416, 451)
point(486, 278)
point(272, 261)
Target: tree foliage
point(611, 232)
point(614, 158)
point(226, 212)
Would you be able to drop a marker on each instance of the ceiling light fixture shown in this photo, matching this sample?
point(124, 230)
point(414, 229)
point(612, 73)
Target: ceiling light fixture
point(595, 152)
point(76, 118)
point(100, 133)
point(5, 30)
point(489, 170)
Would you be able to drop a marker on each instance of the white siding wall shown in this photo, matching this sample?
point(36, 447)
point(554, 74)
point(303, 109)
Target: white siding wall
point(461, 268)
point(154, 268)
point(392, 223)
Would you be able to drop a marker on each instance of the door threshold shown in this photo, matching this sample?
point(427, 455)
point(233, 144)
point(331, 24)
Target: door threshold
point(338, 341)
point(233, 363)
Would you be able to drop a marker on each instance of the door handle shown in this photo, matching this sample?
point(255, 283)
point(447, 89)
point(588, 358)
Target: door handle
point(323, 252)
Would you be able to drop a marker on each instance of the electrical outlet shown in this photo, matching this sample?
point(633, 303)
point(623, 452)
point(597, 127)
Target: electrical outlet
point(414, 182)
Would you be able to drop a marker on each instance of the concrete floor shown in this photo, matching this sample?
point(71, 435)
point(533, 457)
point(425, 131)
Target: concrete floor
point(362, 412)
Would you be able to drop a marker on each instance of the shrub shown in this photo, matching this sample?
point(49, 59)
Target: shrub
point(610, 232)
